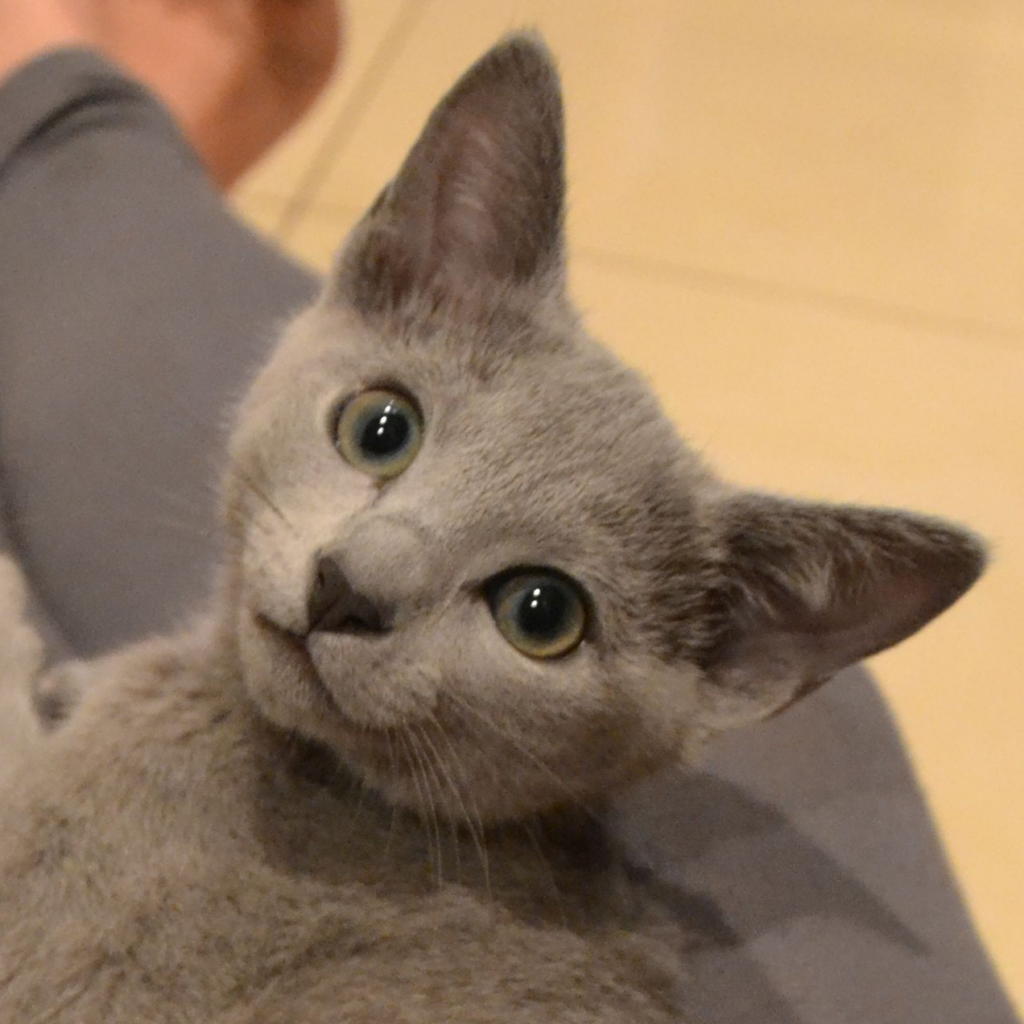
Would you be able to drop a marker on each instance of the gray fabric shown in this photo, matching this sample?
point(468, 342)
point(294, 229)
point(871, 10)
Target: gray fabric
point(803, 856)
point(132, 309)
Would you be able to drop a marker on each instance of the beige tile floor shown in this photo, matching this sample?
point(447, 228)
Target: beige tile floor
point(805, 221)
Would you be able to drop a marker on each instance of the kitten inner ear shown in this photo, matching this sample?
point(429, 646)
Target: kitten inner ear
point(810, 589)
point(479, 201)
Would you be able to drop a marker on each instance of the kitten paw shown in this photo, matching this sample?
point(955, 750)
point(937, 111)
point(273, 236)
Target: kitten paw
point(21, 649)
point(21, 661)
point(56, 693)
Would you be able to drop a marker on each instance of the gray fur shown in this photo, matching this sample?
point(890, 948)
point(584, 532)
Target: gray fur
point(234, 826)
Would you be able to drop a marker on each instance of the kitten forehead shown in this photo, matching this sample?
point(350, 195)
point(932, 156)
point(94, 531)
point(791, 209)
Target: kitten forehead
point(528, 398)
point(577, 421)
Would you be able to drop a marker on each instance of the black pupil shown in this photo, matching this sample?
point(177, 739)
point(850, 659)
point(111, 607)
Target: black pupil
point(385, 433)
point(543, 611)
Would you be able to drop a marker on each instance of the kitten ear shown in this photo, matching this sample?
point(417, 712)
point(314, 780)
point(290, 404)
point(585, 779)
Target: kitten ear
point(479, 200)
point(810, 589)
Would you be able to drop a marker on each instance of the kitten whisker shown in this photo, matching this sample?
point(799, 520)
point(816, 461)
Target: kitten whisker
point(525, 753)
point(415, 771)
point(392, 768)
point(424, 762)
point(265, 498)
point(357, 812)
point(485, 750)
point(436, 764)
point(233, 464)
point(477, 831)
point(529, 827)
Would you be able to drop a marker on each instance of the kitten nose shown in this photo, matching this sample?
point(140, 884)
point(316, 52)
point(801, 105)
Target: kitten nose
point(335, 607)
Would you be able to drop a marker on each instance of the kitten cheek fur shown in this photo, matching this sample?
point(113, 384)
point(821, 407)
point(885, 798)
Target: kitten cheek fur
point(714, 607)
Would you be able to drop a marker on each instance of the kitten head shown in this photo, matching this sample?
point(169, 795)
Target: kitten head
point(472, 556)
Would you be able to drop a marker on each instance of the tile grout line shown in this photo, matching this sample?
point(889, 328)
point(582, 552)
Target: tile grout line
point(339, 133)
point(707, 279)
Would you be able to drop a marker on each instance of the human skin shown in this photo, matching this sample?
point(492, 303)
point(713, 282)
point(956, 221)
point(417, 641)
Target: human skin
point(236, 74)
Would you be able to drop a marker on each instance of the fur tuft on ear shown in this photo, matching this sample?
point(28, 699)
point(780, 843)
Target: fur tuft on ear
point(809, 589)
point(479, 201)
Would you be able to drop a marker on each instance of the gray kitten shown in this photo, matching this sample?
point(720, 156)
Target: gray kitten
point(474, 585)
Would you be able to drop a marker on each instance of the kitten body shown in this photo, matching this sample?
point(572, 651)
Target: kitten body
point(387, 804)
point(177, 859)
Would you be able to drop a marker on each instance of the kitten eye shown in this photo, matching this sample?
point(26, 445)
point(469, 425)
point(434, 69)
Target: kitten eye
point(541, 614)
point(379, 432)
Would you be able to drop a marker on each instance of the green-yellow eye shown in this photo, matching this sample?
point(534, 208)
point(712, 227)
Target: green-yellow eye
point(540, 613)
point(379, 432)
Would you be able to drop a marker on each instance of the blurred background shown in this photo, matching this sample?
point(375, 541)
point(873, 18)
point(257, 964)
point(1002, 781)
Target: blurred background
point(804, 220)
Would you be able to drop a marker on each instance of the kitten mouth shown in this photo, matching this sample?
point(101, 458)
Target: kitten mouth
point(296, 648)
point(397, 759)
point(373, 750)
point(295, 645)
point(295, 642)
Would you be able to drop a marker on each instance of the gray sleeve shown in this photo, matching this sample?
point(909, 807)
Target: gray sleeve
point(133, 309)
